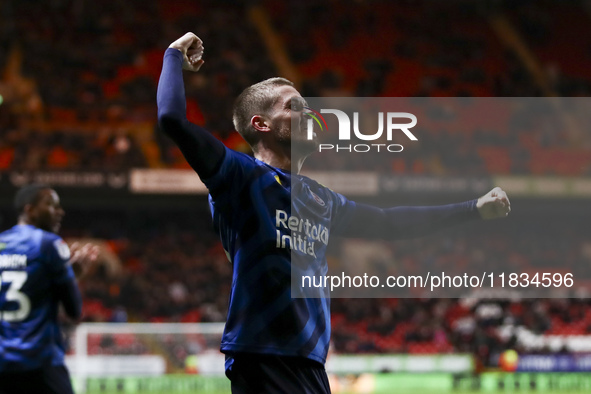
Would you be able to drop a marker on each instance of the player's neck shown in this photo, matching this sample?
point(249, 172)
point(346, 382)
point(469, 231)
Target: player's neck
point(23, 220)
point(274, 160)
point(281, 160)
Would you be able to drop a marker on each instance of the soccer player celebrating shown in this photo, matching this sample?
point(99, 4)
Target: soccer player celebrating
point(37, 273)
point(273, 342)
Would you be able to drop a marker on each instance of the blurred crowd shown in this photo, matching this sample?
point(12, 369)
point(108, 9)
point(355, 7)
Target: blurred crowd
point(104, 150)
point(79, 82)
point(173, 270)
point(447, 325)
point(98, 66)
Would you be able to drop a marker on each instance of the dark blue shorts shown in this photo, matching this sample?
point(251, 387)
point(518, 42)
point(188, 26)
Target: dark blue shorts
point(255, 373)
point(47, 380)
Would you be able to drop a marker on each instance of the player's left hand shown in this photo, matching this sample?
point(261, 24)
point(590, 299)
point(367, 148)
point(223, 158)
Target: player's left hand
point(82, 258)
point(494, 204)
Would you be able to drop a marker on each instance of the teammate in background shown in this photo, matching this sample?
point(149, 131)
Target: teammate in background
point(275, 343)
point(37, 273)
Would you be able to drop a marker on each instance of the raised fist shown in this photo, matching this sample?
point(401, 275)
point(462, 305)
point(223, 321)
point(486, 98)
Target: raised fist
point(494, 204)
point(192, 48)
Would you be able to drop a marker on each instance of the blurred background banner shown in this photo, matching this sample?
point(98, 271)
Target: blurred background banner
point(78, 83)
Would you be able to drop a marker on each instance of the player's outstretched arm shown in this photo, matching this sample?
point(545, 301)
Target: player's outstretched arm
point(201, 149)
point(409, 222)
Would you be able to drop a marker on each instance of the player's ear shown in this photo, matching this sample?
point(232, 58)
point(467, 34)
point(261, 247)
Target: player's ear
point(28, 211)
point(260, 123)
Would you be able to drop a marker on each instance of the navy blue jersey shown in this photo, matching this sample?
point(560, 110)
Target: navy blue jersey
point(274, 224)
point(265, 216)
point(33, 263)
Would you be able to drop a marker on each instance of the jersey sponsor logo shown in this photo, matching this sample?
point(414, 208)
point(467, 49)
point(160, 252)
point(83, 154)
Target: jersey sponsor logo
point(304, 234)
point(62, 249)
point(317, 198)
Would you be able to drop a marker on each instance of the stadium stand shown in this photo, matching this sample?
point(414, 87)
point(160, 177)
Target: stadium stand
point(79, 79)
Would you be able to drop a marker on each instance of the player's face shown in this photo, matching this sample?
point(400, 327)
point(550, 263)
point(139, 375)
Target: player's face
point(288, 121)
point(47, 213)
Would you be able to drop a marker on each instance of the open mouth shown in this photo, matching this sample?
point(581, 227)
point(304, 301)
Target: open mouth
point(57, 224)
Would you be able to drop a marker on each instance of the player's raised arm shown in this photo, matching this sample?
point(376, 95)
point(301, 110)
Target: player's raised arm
point(407, 222)
point(201, 149)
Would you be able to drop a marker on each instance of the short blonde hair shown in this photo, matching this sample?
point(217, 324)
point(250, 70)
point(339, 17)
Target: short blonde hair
point(255, 100)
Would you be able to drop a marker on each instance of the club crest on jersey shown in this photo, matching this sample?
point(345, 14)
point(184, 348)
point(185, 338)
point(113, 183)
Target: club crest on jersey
point(2, 246)
point(317, 198)
point(62, 249)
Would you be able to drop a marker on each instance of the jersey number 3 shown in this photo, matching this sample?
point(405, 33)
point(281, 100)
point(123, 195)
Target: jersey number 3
point(15, 280)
